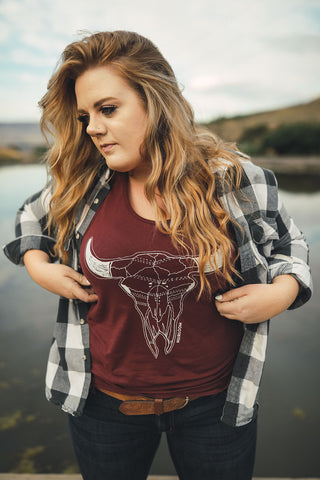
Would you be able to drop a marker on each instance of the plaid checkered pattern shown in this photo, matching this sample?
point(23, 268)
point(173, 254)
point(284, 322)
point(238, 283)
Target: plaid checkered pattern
point(269, 244)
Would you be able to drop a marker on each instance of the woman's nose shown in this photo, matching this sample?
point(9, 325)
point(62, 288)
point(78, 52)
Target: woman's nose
point(96, 127)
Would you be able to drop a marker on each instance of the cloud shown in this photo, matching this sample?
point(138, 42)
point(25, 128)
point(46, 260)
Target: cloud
point(47, 44)
point(4, 32)
point(299, 44)
point(23, 56)
point(228, 55)
point(205, 83)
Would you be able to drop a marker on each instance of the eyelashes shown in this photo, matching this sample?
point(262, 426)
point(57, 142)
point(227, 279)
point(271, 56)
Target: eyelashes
point(84, 119)
point(106, 111)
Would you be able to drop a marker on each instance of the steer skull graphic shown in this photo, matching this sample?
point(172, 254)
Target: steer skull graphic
point(157, 291)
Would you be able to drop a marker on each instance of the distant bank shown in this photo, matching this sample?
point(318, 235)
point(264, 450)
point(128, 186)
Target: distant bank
point(291, 165)
point(286, 140)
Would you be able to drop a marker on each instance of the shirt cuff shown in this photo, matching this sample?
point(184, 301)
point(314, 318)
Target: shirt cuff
point(16, 249)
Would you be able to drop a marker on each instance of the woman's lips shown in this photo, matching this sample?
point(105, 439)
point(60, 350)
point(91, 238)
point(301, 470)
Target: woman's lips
point(107, 147)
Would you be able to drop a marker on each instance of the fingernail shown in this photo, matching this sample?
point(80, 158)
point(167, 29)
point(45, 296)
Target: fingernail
point(87, 282)
point(218, 297)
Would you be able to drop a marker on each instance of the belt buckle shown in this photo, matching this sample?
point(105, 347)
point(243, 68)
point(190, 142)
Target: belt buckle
point(155, 406)
point(186, 401)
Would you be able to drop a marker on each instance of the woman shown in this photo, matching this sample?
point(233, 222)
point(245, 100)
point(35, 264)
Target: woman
point(174, 252)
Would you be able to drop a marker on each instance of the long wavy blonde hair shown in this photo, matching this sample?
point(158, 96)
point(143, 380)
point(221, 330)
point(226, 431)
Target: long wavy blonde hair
point(183, 156)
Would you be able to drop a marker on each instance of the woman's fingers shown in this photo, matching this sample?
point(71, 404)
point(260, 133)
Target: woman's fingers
point(58, 279)
point(247, 304)
point(79, 287)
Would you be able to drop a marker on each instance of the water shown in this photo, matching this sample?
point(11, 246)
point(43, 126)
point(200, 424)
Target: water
point(33, 433)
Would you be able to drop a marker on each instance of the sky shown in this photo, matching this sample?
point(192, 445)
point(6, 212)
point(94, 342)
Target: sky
point(230, 57)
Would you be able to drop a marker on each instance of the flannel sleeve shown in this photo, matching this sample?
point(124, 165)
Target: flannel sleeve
point(290, 255)
point(287, 253)
point(31, 228)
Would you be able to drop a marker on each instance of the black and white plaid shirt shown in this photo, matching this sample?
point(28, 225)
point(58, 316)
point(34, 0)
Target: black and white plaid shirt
point(269, 245)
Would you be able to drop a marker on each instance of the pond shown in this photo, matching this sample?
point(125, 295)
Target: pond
point(33, 433)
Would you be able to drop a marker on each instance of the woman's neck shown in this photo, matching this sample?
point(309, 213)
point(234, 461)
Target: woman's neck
point(138, 199)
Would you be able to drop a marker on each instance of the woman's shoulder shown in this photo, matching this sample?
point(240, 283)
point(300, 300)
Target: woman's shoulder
point(257, 175)
point(251, 188)
point(250, 173)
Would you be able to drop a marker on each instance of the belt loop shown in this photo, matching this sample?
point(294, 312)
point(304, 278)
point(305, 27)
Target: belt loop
point(158, 406)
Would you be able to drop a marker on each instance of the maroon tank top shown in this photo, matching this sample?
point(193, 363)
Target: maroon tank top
point(148, 333)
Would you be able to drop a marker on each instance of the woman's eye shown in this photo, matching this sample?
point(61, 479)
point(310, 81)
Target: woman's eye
point(109, 110)
point(106, 111)
point(84, 119)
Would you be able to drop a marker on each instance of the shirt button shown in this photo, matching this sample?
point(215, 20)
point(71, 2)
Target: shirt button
point(84, 357)
point(96, 200)
point(77, 236)
point(82, 321)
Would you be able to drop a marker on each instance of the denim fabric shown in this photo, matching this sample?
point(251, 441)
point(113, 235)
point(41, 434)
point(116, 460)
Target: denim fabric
point(112, 446)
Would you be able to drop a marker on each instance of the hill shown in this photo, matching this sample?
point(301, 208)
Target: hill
point(233, 129)
point(20, 135)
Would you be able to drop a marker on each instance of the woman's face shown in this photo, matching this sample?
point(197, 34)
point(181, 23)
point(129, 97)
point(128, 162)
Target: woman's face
point(115, 119)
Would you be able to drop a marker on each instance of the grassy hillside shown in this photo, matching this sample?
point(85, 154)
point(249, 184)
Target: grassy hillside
point(232, 129)
point(20, 143)
point(13, 155)
point(9, 156)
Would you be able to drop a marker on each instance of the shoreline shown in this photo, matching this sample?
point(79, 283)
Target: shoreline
point(28, 476)
point(290, 165)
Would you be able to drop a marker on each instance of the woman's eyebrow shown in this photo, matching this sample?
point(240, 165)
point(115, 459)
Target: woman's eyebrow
point(100, 102)
point(103, 100)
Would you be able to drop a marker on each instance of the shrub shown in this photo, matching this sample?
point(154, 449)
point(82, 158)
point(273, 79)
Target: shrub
point(293, 139)
point(254, 134)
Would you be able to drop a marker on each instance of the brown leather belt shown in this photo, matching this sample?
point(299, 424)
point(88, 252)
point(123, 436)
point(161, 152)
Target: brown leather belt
point(140, 405)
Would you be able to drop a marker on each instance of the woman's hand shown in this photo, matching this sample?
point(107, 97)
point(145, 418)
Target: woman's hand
point(59, 279)
point(258, 302)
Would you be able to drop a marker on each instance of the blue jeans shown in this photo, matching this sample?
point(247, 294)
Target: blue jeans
point(112, 446)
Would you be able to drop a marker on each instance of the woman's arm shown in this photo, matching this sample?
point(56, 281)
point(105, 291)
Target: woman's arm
point(258, 302)
point(31, 228)
point(59, 279)
point(267, 228)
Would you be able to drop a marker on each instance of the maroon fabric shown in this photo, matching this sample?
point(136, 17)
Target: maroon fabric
point(148, 333)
